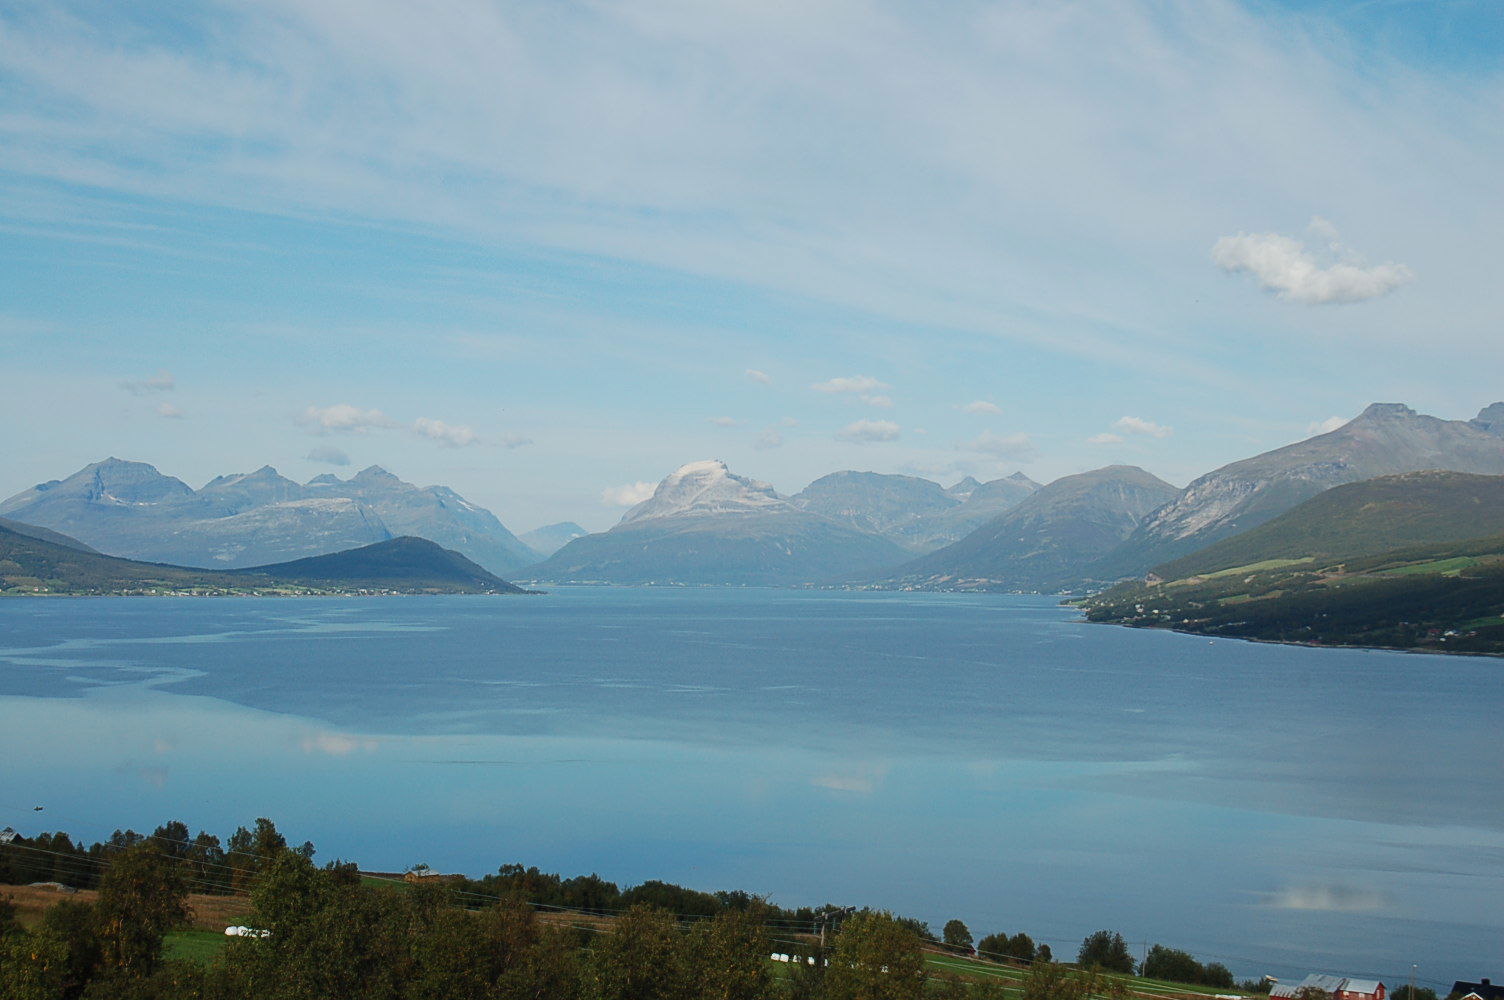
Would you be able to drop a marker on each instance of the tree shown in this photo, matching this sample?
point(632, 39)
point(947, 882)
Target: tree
point(142, 896)
point(33, 966)
point(956, 936)
point(1044, 954)
point(728, 956)
point(1220, 976)
point(876, 957)
point(1107, 950)
point(641, 959)
point(1403, 993)
point(1172, 964)
point(1049, 981)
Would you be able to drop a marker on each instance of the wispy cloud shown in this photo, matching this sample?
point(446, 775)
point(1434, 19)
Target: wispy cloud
point(1017, 445)
point(768, 437)
point(1286, 266)
point(981, 407)
point(448, 435)
point(850, 384)
point(328, 455)
point(629, 495)
point(1325, 426)
point(162, 381)
point(169, 412)
point(758, 376)
point(1105, 438)
point(1138, 425)
point(880, 402)
point(869, 431)
point(725, 421)
point(343, 418)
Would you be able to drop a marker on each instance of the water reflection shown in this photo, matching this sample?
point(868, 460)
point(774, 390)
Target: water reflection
point(986, 758)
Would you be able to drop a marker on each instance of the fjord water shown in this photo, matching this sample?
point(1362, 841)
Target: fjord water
point(1279, 809)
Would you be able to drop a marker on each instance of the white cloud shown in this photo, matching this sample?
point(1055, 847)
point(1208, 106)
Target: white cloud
point(344, 418)
point(448, 435)
point(881, 402)
point(169, 411)
point(1138, 425)
point(789, 422)
point(865, 431)
point(514, 441)
point(850, 383)
point(162, 381)
point(328, 455)
point(757, 376)
point(981, 407)
point(1287, 267)
point(768, 438)
point(629, 495)
point(1325, 426)
point(724, 421)
point(1015, 445)
point(1104, 438)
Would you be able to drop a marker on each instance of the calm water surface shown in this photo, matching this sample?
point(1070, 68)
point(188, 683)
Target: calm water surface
point(991, 758)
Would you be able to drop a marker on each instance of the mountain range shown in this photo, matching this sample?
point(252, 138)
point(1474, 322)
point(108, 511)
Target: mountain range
point(704, 524)
point(131, 510)
point(1385, 439)
point(1041, 543)
point(1414, 561)
point(36, 562)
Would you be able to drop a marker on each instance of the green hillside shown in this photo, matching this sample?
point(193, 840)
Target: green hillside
point(1446, 597)
point(401, 563)
point(1361, 519)
point(31, 566)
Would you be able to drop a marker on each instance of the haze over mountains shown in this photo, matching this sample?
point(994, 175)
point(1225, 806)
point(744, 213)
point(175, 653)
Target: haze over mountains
point(1041, 543)
point(705, 524)
point(129, 509)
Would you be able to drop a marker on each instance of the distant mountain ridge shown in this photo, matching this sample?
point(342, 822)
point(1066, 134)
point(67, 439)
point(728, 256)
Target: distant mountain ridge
point(1414, 561)
point(1039, 543)
point(131, 510)
point(1358, 520)
point(1385, 439)
point(551, 537)
point(916, 513)
point(705, 525)
point(32, 565)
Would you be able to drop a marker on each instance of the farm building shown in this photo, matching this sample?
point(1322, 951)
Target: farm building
point(1340, 987)
point(1481, 990)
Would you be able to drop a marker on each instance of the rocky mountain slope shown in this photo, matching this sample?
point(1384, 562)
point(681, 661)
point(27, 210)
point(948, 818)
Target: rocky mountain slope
point(916, 513)
point(1385, 439)
point(1357, 520)
point(129, 509)
point(705, 525)
point(1040, 543)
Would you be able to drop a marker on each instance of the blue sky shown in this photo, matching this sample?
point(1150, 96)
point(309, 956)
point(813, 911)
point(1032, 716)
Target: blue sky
point(545, 252)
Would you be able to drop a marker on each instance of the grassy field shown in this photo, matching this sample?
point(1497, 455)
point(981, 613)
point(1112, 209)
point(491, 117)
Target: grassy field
point(195, 946)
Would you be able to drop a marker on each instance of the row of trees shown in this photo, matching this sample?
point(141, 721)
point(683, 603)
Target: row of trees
point(206, 864)
point(331, 936)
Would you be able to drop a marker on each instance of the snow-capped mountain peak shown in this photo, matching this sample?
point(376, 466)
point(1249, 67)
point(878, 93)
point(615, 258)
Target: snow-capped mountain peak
point(706, 487)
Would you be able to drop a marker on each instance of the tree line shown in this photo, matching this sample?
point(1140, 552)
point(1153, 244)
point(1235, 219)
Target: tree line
point(332, 933)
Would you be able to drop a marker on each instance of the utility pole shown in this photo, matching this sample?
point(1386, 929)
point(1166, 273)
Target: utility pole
point(1412, 982)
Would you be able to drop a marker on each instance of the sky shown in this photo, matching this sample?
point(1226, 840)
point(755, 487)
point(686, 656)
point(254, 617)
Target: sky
point(546, 252)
